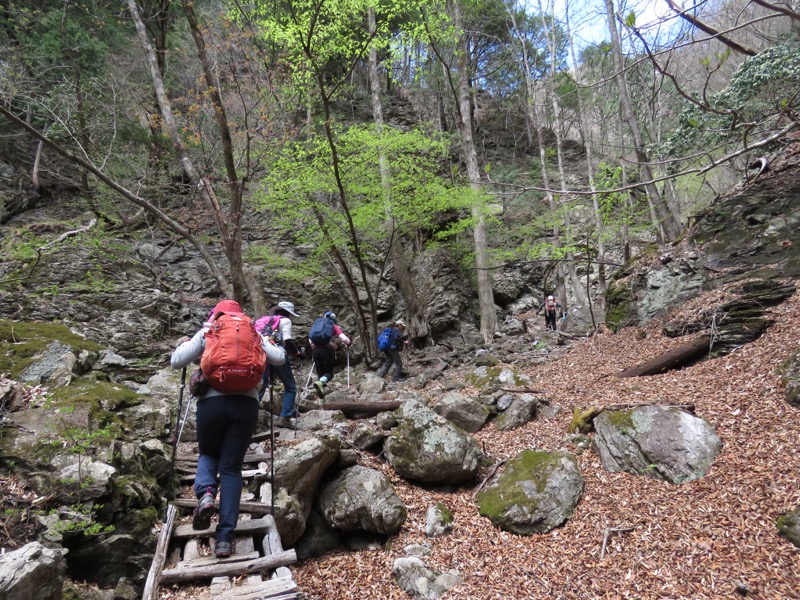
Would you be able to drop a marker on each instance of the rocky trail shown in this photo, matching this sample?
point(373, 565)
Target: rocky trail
point(630, 536)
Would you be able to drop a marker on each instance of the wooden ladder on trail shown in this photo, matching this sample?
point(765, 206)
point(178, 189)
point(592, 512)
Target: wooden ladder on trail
point(257, 567)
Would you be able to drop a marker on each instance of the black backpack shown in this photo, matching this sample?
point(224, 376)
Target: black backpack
point(321, 332)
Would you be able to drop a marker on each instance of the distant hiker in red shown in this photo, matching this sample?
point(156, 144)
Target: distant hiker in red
point(233, 357)
point(552, 311)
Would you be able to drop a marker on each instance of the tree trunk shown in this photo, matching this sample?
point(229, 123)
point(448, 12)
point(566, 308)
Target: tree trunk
point(577, 287)
point(203, 187)
point(672, 359)
point(484, 279)
point(663, 216)
point(417, 321)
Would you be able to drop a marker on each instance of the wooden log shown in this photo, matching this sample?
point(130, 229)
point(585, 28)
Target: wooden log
point(273, 561)
point(671, 359)
point(242, 528)
point(256, 508)
point(156, 567)
point(351, 409)
point(272, 545)
point(283, 588)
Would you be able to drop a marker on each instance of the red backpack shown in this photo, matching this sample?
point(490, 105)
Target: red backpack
point(233, 359)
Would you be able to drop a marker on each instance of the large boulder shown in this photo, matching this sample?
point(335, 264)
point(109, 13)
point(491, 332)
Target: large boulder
point(298, 472)
point(655, 441)
point(362, 499)
point(428, 448)
point(33, 572)
point(536, 492)
point(466, 412)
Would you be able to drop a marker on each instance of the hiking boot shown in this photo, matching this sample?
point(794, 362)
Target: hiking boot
point(201, 518)
point(222, 549)
point(285, 422)
point(401, 378)
point(320, 387)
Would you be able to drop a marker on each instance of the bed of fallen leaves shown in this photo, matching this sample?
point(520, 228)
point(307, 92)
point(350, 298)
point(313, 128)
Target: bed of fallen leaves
point(711, 538)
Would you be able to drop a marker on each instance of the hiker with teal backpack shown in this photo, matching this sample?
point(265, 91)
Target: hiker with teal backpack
point(390, 341)
point(324, 337)
point(233, 357)
point(277, 326)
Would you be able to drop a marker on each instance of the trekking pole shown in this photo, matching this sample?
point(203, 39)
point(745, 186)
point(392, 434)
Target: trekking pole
point(308, 380)
point(175, 438)
point(271, 440)
point(348, 367)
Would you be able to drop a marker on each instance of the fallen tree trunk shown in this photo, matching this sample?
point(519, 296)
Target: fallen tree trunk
point(352, 409)
point(672, 359)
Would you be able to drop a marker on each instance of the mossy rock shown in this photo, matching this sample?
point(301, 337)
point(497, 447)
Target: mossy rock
point(492, 376)
point(22, 342)
point(536, 492)
point(789, 526)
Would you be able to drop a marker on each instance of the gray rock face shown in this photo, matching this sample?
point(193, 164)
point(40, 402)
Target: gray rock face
point(32, 572)
point(466, 412)
point(109, 559)
point(420, 582)
point(658, 442)
point(362, 499)
point(54, 367)
point(536, 492)
point(429, 448)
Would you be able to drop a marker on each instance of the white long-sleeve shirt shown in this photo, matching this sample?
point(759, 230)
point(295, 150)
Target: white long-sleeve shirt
point(191, 350)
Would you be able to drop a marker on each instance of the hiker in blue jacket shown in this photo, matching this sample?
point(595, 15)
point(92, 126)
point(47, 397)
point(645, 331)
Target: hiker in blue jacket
point(396, 342)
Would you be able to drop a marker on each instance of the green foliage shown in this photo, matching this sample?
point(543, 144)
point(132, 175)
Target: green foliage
point(301, 191)
point(762, 90)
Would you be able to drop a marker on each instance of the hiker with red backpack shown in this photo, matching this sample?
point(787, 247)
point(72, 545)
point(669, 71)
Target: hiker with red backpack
point(552, 310)
point(233, 357)
point(390, 341)
point(324, 337)
point(277, 326)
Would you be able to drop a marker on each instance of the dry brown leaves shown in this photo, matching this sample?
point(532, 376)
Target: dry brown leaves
point(703, 539)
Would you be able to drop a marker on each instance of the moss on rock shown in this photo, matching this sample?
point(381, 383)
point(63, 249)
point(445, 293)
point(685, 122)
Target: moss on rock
point(21, 343)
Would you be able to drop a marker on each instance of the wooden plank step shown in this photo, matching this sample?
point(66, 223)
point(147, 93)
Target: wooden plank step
point(272, 588)
point(242, 528)
point(221, 569)
point(253, 457)
point(263, 436)
point(213, 560)
point(255, 508)
point(260, 474)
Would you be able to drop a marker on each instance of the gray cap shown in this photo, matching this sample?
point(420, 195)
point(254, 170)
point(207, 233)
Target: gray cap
point(288, 307)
